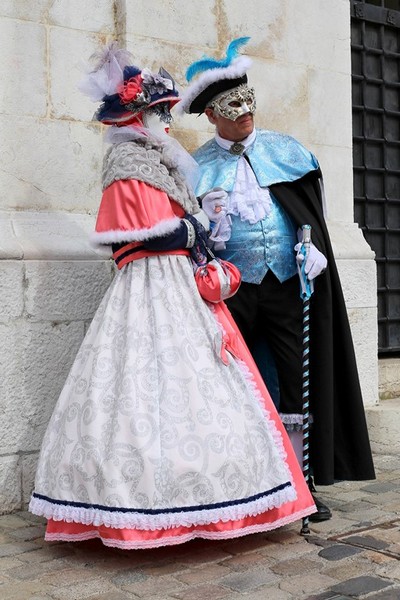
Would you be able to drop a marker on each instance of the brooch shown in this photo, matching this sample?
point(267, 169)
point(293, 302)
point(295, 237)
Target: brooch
point(237, 148)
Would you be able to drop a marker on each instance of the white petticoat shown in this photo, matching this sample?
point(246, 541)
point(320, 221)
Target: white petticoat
point(152, 429)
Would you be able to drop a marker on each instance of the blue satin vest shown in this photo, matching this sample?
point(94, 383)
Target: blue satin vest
point(265, 245)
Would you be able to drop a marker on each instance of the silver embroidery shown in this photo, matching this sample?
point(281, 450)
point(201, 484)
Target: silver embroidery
point(134, 160)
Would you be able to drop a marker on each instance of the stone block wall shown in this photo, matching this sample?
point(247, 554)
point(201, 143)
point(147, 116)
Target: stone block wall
point(46, 306)
point(51, 281)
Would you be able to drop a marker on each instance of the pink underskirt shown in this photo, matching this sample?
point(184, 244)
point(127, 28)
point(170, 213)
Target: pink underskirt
point(271, 519)
point(130, 539)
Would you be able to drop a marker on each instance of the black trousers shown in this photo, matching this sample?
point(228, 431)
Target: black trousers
point(273, 311)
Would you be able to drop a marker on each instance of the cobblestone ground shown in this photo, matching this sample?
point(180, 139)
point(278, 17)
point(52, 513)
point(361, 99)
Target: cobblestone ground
point(354, 555)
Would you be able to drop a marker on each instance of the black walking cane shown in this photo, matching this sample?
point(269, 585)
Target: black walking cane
point(306, 289)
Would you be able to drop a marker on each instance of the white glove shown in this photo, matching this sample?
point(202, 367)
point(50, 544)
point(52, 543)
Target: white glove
point(221, 233)
point(316, 262)
point(214, 204)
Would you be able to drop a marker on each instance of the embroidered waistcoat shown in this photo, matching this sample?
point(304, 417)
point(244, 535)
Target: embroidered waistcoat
point(267, 244)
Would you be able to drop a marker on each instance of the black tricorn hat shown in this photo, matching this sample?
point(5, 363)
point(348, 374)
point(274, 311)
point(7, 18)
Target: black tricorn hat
point(209, 77)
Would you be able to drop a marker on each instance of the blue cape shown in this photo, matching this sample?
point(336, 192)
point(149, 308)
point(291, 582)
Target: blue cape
point(274, 158)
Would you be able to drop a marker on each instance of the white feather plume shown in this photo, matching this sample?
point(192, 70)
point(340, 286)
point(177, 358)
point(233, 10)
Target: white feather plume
point(105, 72)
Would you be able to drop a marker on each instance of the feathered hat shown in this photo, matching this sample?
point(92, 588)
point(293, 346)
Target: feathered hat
point(209, 77)
point(124, 89)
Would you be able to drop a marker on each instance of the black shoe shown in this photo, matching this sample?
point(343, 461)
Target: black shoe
point(323, 512)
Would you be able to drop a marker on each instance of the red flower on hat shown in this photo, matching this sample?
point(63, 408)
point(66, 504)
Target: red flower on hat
point(129, 91)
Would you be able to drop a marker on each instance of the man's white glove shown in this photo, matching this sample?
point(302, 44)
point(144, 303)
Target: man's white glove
point(221, 233)
point(214, 204)
point(316, 262)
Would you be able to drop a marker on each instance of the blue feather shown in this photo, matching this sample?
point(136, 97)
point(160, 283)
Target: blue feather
point(206, 63)
point(232, 50)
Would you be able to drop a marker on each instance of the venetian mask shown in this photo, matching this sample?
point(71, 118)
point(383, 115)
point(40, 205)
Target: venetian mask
point(235, 103)
point(158, 118)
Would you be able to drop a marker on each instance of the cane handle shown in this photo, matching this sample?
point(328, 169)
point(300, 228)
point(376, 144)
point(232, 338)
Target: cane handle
point(306, 234)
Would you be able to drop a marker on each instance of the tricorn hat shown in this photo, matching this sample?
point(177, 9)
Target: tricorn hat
point(209, 77)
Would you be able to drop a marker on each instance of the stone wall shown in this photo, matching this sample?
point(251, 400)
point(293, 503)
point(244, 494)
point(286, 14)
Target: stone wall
point(51, 281)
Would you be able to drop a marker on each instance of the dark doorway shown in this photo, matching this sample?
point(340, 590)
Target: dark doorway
point(375, 41)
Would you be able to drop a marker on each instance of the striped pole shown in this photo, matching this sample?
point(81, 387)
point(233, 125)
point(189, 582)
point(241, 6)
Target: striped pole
point(305, 292)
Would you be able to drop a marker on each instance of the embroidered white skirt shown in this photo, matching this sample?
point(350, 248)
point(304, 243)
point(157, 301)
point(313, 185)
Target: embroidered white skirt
point(154, 431)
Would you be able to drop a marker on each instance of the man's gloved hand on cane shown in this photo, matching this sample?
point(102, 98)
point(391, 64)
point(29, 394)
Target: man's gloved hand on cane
point(316, 262)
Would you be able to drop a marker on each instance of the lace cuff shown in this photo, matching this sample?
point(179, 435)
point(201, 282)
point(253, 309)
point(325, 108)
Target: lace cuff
point(191, 234)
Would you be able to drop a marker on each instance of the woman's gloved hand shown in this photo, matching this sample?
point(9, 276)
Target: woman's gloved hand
point(199, 248)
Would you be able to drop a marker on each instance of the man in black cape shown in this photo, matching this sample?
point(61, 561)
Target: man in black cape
point(259, 188)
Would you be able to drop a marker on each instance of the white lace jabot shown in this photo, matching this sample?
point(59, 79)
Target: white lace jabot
point(247, 199)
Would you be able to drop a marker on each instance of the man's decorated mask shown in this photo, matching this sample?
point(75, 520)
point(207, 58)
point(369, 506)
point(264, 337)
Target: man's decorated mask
point(235, 102)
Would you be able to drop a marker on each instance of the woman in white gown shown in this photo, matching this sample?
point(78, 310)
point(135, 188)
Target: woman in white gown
point(164, 431)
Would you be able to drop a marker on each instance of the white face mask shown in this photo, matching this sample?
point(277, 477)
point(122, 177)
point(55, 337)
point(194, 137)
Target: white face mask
point(153, 122)
point(235, 103)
